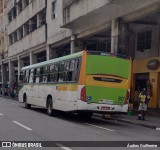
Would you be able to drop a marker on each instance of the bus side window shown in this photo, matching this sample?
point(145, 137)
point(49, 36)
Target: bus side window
point(61, 72)
point(73, 71)
point(26, 77)
point(31, 76)
point(43, 74)
point(37, 75)
point(51, 73)
point(56, 75)
point(34, 76)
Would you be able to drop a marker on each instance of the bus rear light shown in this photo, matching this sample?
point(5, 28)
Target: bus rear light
point(127, 97)
point(83, 94)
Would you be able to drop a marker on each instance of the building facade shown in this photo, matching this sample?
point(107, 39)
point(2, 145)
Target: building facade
point(40, 30)
point(27, 35)
point(4, 78)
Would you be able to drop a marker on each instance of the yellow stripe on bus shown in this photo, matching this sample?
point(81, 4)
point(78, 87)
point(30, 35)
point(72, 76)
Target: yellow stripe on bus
point(69, 87)
point(90, 81)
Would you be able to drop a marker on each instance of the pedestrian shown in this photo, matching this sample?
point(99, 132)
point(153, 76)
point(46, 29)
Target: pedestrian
point(144, 98)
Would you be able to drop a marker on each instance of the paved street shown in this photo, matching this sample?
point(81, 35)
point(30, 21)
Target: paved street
point(20, 124)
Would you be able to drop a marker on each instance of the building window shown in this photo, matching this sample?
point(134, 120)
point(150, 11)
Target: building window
point(20, 33)
point(144, 40)
point(53, 9)
point(10, 39)
point(19, 5)
point(25, 3)
point(14, 11)
point(10, 16)
point(14, 36)
point(42, 18)
point(33, 24)
point(66, 15)
point(26, 28)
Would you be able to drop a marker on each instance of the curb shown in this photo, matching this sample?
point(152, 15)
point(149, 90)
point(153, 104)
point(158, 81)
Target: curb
point(136, 123)
point(130, 122)
point(7, 97)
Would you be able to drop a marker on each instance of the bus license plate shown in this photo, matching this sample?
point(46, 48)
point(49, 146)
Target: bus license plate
point(105, 108)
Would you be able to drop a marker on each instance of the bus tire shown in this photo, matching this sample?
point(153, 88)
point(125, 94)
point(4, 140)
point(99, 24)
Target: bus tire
point(26, 105)
point(50, 111)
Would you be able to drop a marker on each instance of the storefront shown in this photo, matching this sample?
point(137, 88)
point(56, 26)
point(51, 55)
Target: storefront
point(146, 74)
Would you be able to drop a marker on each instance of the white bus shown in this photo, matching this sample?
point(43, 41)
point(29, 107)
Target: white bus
point(84, 82)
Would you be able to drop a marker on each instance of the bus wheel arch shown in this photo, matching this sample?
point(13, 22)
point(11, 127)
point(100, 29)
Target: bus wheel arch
point(49, 105)
point(28, 106)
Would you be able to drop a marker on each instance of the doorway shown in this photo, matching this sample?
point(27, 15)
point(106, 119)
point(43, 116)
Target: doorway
point(141, 81)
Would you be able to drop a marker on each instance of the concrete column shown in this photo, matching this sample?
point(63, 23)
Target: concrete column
point(48, 52)
point(11, 73)
point(33, 58)
point(72, 44)
point(20, 66)
point(123, 40)
point(4, 76)
point(119, 37)
point(114, 36)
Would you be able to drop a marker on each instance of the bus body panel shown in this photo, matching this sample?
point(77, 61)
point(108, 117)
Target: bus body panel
point(107, 83)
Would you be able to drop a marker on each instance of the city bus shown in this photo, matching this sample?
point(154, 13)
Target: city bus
point(85, 82)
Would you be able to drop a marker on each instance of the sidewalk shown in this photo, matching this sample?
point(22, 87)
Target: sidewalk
point(152, 119)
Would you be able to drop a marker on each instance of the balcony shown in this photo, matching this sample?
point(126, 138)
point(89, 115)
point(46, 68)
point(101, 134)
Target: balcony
point(31, 40)
point(81, 12)
point(31, 10)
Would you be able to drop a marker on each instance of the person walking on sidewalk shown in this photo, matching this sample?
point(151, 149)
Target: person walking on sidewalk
point(144, 98)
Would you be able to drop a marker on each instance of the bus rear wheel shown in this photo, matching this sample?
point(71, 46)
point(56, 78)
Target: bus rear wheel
point(28, 106)
point(50, 107)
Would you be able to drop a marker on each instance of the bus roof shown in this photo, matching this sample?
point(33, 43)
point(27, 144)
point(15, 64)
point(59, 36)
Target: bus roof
point(78, 54)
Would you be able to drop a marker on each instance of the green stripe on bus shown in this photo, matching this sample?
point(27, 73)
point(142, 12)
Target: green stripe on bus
point(96, 93)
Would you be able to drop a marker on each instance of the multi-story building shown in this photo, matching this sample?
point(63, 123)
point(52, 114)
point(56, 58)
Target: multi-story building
point(3, 44)
point(26, 33)
point(58, 39)
point(45, 29)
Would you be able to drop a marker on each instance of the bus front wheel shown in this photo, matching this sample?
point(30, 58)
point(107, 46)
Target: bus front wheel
point(50, 107)
point(28, 106)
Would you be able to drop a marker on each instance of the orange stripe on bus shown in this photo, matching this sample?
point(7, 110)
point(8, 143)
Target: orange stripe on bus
point(67, 87)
